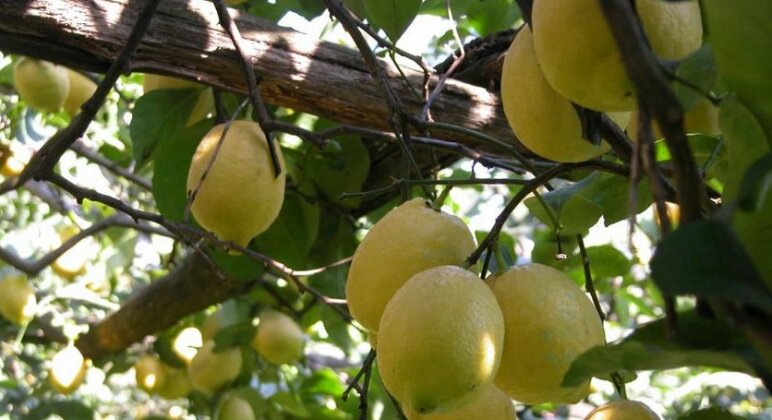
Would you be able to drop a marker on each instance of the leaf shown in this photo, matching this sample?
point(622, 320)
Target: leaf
point(64, 409)
point(157, 117)
point(340, 167)
point(240, 267)
point(575, 214)
point(323, 381)
point(393, 16)
point(698, 342)
point(756, 185)
point(699, 71)
point(741, 37)
point(712, 413)
point(357, 7)
point(705, 259)
point(487, 17)
point(607, 261)
point(336, 241)
point(291, 403)
point(170, 170)
point(291, 236)
point(234, 335)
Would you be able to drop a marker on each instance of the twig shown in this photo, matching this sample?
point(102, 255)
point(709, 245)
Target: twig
point(111, 166)
point(588, 283)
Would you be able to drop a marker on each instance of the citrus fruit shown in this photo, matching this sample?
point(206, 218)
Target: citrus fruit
point(549, 321)
point(68, 369)
point(491, 403)
point(150, 373)
point(407, 240)
point(240, 197)
point(17, 299)
point(176, 383)
point(16, 161)
point(209, 371)
point(580, 58)
point(703, 118)
point(234, 408)
point(204, 103)
point(186, 343)
point(279, 339)
point(41, 84)
point(226, 315)
point(81, 89)
point(440, 339)
point(543, 120)
point(73, 262)
point(622, 410)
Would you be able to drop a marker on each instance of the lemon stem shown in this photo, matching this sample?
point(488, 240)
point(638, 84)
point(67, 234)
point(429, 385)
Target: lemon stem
point(437, 204)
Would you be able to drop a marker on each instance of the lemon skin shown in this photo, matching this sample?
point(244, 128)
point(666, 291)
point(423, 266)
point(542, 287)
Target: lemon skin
point(17, 299)
point(279, 338)
point(622, 410)
point(210, 371)
point(490, 404)
point(41, 84)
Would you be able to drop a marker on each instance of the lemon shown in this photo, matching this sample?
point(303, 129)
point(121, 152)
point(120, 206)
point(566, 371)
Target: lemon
point(81, 89)
point(373, 339)
point(16, 161)
point(580, 58)
point(186, 343)
point(17, 299)
point(234, 408)
point(68, 369)
point(407, 240)
point(279, 339)
point(204, 103)
point(150, 373)
point(543, 120)
point(223, 317)
point(210, 371)
point(622, 410)
point(73, 262)
point(176, 384)
point(440, 340)
point(41, 84)
point(549, 322)
point(490, 404)
point(240, 197)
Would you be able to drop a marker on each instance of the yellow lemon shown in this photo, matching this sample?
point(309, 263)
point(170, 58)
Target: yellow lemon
point(440, 340)
point(41, 84)
point(73, 262)
point(543, 120)
point(622, 410)
point(68, 369)
point(81, 89)
point(17, 159)
point(549, 322)
point(279, 339)
point(209, 371)
point(17, 299)
point(490, 404)
point(240, 197)
point(234, 408)
point(407, 240)
point(580, 58)
point(150, 373)
point(186, 343)
point(204, 104)
point(176, 384)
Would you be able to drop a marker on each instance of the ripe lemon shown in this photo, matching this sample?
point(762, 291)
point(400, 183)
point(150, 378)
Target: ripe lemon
point(580, 58)
point(73, 262)
point(17, 299)
point(279, 339)
point(16, 161)
point(490, 404)
point(176, 384)
point(543, 120)
point(186, 343)
point(150, 373)
point(204, 104)
point(209, 371)
point(81, 89)
point(549, 322)
point(622, 410)
point(234, 408)
point(41, 84)
point(68, 369)
point(407, 240)
point(240, 197)
point(440, 340)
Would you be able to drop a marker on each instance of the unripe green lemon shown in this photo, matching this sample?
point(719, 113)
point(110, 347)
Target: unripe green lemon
point(41, 84)
point(17, 299)
point(210, 371)
point(440, 340)
point(68, 369)
point(81, 89)
point(543, 120)
point(204, 104)
point(150, 373)
point(234, 408)
point(176, 383)
point(549, 321)
point(407, 240)
point(186, 343)
point(279, 339)
point(580, 58)
point(240, 197)
point(490, 404)
point(622, 410)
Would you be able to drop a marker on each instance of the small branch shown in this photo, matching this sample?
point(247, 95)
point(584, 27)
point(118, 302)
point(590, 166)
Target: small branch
point(588, 283)
point(111, 166)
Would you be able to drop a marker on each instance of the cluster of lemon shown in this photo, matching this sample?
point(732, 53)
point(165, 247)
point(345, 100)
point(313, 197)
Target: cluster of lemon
point(568, 56)
point(452, 346)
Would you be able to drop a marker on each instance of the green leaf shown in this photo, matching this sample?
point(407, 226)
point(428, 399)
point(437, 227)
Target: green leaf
point(575, 214)
point(240, 267)
point(291, 403)
point(357, 7)
point(756, 185)
point(170, 170)
point(340, 167)
point(157, 117)
point(741, 37)
point(712, 413)
point(698, 342)
point(234, 335)
point(705, 259)
point(607, 261)
point(291, 236)
point(336, 241)
point(324, 381)
point(699, 71)
point(393, 16)
point(487, 17)
point(64, 409)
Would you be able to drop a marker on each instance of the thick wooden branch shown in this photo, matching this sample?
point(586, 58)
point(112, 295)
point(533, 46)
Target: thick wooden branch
point(184, 39)
point(191, 287)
